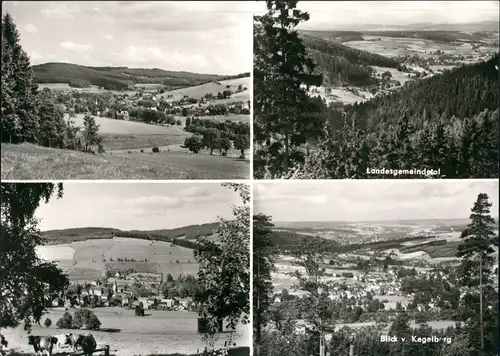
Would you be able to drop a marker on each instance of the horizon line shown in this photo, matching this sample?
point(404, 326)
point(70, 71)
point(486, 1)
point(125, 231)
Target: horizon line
point(152, 68)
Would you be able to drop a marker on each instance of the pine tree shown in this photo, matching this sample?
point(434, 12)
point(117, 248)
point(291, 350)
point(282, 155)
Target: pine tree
point(90, 133)
point(478, 307)
point(262, 268)
point(283, 111)
point(19, 119)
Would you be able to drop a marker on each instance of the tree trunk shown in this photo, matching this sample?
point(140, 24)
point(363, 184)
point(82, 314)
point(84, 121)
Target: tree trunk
point(287, 148)
point(211, 151)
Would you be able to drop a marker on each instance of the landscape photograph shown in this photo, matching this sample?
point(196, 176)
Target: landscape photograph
point(125, 269)
point(376, 268)
point(376, 89)
point(125, 90)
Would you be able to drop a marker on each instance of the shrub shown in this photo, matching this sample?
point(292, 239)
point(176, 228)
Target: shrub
point(129, 151)
point(139, 310)
point(101, 149)
point(47, 322)
point(156, 150)
point(93, 323)
point(85, 317)
point(66, 322)
point(194, 143)
point(142, 151)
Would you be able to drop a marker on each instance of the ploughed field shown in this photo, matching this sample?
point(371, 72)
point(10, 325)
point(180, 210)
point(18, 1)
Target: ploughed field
point(86, 260)
point(159, 332)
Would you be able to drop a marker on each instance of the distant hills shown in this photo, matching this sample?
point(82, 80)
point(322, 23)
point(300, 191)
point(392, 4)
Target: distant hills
point(190, 232)
point(409, 222)
point(121, 78)
point(488, 26)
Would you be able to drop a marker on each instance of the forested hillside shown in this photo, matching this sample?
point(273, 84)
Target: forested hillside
point(117, 78)
point(447, 122)
point(463, 92)
point(342, 64)
point(190, 232)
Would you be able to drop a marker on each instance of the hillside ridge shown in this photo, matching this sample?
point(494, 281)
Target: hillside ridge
point(121, 78)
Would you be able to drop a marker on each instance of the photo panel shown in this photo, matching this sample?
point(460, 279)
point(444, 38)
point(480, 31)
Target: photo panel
point(376, 267)
point(126, 90)
point(376, 89)
point(125, 268)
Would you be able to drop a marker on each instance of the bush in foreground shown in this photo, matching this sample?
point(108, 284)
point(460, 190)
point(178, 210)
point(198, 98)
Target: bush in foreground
point(139, 310)
point(156, 150)
point(47, 322)
point(66, 322)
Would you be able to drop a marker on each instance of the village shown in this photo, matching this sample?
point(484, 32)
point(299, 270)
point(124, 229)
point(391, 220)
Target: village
point(150, 107)
point(130, 290)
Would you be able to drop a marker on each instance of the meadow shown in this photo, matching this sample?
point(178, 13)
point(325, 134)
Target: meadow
point(399, 46)
point(86, 260)
point(28, 161)
point(159, 332)
point(213, 88)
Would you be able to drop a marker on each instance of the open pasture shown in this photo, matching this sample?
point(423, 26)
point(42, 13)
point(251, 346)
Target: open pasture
point(112, 126)
point(160, 332)
point(399, 46)
point(341, 95)
point(27, 161)
point(54, 253)
point(91, 89)
point(88, 261)
point(213, 88)
point(395, 74)
point(113, 142)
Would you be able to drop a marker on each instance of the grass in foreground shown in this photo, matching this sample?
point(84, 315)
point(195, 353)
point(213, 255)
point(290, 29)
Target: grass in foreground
point(237, 351)
point(31, 162)
point(121, 142)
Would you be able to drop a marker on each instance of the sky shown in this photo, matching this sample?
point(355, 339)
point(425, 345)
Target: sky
point(371, 200)
point(196, 36)
point(328, 14)
point(136, 206)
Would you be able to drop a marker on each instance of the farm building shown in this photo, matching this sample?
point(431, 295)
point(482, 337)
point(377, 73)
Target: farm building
point(122, 115)
point(154, 280)
point(166, 303)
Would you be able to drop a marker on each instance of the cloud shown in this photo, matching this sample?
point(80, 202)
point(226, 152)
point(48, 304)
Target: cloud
point(144, 55)
point(61, 11)
point(30, 28)
point(76, 47)
point(194, 192)
point(109, 37)
point(175, 16)
point(160, 205)
point(284, 194)
point(37, 58)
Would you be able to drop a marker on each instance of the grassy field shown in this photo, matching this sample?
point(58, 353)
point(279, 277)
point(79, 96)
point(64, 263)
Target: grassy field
point(160, 332)
point(112, 126)
point(397, 46)
point(213, 88)
point(112, 142)
point(27, 161)
point(85, 260)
